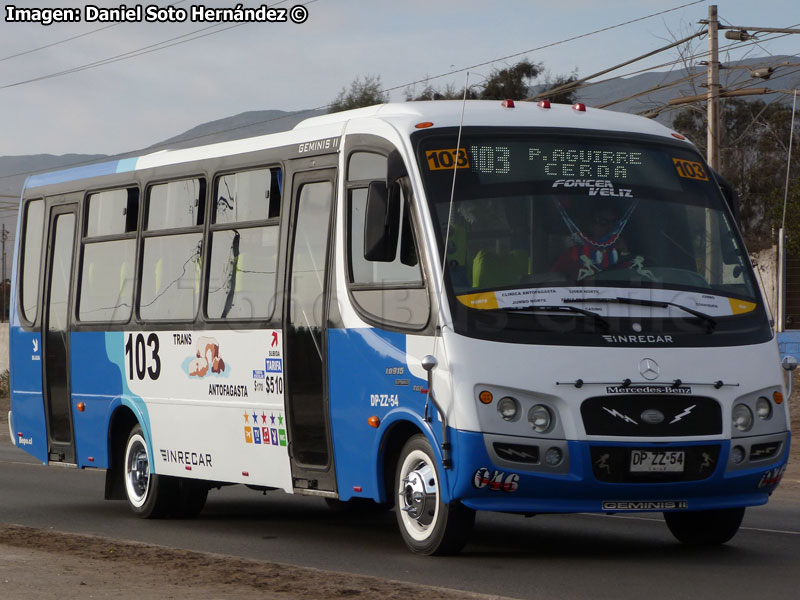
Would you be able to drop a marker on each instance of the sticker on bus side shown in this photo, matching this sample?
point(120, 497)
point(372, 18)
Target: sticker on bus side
point(689, 169)
point(440, 160)
point(215, 393)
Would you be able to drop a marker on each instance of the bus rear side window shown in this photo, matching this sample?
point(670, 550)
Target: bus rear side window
point(32, 258)
point(107, 265)
point(248, 196)
point(106, 287)
point(171, 277)
point(176, 204)
point(112, 212)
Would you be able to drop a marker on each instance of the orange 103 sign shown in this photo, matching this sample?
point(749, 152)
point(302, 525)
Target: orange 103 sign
point(439, 160)
point(690, 169)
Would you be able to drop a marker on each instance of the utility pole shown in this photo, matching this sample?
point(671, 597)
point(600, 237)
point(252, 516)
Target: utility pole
point(713, 89)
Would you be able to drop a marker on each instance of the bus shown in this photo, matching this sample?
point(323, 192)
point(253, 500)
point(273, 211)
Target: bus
point(440, 307)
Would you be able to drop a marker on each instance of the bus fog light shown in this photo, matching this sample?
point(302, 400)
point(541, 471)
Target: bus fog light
point(508, 408)
point(742, 417)
point(553, 457)
point(763, 408)
point(737, 454)
point(540, 418)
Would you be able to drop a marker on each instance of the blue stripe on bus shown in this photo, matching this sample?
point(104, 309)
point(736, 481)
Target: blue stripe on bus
point(84, 172)
point(580, 491)
point(365, 380)
point(27, 401)
point(97, 378)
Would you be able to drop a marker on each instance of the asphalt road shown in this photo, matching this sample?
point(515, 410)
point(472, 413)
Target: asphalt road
point(545, 557)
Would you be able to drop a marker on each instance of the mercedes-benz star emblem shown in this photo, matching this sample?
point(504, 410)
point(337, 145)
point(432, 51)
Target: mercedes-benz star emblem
point(649, 369)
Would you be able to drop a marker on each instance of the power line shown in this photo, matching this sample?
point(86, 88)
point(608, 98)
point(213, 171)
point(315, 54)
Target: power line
point(564, 41)
point(669, 63)
point(69, 39)
point(653, 112)
point(689, 78)
point(177, 40)
point(384, 90)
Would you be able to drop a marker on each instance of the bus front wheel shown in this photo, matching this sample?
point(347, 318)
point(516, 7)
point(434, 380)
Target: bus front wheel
point(149, 495)
point(428, 525)
point(705, 527)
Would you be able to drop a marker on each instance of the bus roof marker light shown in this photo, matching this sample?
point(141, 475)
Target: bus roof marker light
point(678, 136)
point(507, 104)
point(423, 125)
point(579, 106)
point(543, 104)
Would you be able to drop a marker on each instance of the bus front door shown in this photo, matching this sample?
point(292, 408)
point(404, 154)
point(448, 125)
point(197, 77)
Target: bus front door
point(305, 338)
point(55, 333)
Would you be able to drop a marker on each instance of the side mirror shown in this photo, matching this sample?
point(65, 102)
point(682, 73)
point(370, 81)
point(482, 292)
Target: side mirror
point(789, 363)
point(381, 222)
point(731, 197)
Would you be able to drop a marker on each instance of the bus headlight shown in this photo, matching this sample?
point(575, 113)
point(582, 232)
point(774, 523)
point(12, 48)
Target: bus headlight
point(508, 408)
point(763, 408)
point(742, 417)
point(540, 418)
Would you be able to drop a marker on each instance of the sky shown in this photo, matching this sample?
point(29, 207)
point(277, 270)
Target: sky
point(133, 103)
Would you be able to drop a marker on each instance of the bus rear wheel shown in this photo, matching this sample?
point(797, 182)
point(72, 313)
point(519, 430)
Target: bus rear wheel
point(428, 525)
point(705, 527)
point(149, 495)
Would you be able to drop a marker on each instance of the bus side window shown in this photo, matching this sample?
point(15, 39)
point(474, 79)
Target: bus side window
point(391, 292)
point(172, 251)
point(244, 244)
point(107, 265)
point(31, 258)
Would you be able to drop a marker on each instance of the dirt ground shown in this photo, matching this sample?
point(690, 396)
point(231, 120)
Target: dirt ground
point(38, 564)
point(50, 565)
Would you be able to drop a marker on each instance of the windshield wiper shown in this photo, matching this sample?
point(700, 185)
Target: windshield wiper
point(557, 308)
point(710, 321)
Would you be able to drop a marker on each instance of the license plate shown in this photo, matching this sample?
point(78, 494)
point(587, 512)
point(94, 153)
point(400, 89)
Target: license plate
point(657, 461)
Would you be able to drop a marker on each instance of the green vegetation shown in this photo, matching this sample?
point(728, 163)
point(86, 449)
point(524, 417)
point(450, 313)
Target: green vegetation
point(754, 148)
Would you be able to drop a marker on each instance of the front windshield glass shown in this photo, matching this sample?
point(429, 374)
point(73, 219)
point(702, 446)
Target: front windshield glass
point(564, 219)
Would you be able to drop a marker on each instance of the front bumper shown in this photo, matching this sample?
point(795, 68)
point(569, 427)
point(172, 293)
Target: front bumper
point(588, 482)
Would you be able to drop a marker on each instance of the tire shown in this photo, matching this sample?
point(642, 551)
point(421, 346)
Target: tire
point(190, 498)
point(428, 525)
point(705, 527)
point(149, 496)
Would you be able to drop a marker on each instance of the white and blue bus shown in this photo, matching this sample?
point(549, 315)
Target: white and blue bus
point(443, 307)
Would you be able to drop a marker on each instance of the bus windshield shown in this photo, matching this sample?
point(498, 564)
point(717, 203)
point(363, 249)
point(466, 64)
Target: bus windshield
point(544, 220)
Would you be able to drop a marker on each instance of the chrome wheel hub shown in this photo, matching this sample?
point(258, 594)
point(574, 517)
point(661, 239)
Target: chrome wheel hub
point(419, 494)
point(138, 471)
